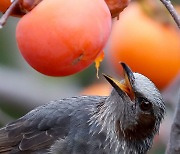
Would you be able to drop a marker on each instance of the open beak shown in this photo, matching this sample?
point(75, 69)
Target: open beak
point(126, 84)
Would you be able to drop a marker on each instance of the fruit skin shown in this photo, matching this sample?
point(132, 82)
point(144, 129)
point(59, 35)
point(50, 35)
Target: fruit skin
point(147, 46)
point(4, 4)
point(61, 37)
point(97, 89)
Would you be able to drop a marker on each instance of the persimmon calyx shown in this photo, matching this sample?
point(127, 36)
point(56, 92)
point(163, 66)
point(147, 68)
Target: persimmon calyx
point(28, 5)
point(116, 6)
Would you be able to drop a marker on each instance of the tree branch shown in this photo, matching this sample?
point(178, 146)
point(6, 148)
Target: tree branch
point(172, 11)
point(174, 141)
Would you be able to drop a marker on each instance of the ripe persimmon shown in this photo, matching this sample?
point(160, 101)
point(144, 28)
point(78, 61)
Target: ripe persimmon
point(100, 89)
point(147, 46)
point(63, 37)
point(4, 4)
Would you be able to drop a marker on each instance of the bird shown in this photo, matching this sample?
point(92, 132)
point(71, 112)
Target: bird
point(125, 122)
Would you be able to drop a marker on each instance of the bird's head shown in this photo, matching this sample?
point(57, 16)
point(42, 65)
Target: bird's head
point(137, 106)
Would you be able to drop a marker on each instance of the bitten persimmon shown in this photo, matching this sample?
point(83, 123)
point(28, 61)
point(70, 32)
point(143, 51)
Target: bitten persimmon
point(146, 45)
point(63, 37)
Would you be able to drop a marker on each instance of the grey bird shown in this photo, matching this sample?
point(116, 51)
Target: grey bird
point(125, 122)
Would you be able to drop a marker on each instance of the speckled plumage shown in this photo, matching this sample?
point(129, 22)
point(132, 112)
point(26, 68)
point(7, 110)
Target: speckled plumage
point(89, 124)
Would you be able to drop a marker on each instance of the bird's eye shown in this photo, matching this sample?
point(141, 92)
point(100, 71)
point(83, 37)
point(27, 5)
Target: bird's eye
point(145, 105)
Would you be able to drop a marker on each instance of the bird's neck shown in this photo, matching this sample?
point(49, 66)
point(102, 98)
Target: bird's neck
point(107, 118)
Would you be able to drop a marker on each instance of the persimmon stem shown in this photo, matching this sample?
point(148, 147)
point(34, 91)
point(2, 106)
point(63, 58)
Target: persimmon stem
point(8, 12)
point(172, 11)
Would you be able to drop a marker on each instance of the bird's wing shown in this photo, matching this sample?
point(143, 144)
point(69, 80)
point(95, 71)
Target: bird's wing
point(36, 130)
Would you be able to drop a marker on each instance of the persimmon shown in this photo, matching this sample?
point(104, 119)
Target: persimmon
point(100, 89)
point(4, 4)
point(63, 37)
point(146, 45)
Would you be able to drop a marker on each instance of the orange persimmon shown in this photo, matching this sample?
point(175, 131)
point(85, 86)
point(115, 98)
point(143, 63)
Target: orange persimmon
point(100, 89)
point(63, 37)
point(147, 46)
point(4, 4)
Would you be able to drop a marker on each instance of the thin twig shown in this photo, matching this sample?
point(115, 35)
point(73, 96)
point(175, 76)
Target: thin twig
point(8, 12)
point(174, 141)
point(172, 11)
point(173, 144)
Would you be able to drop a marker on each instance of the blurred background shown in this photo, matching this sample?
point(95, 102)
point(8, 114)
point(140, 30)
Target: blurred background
point(145, 37)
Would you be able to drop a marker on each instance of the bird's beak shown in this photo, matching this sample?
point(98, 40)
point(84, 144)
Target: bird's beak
point(126, 84)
